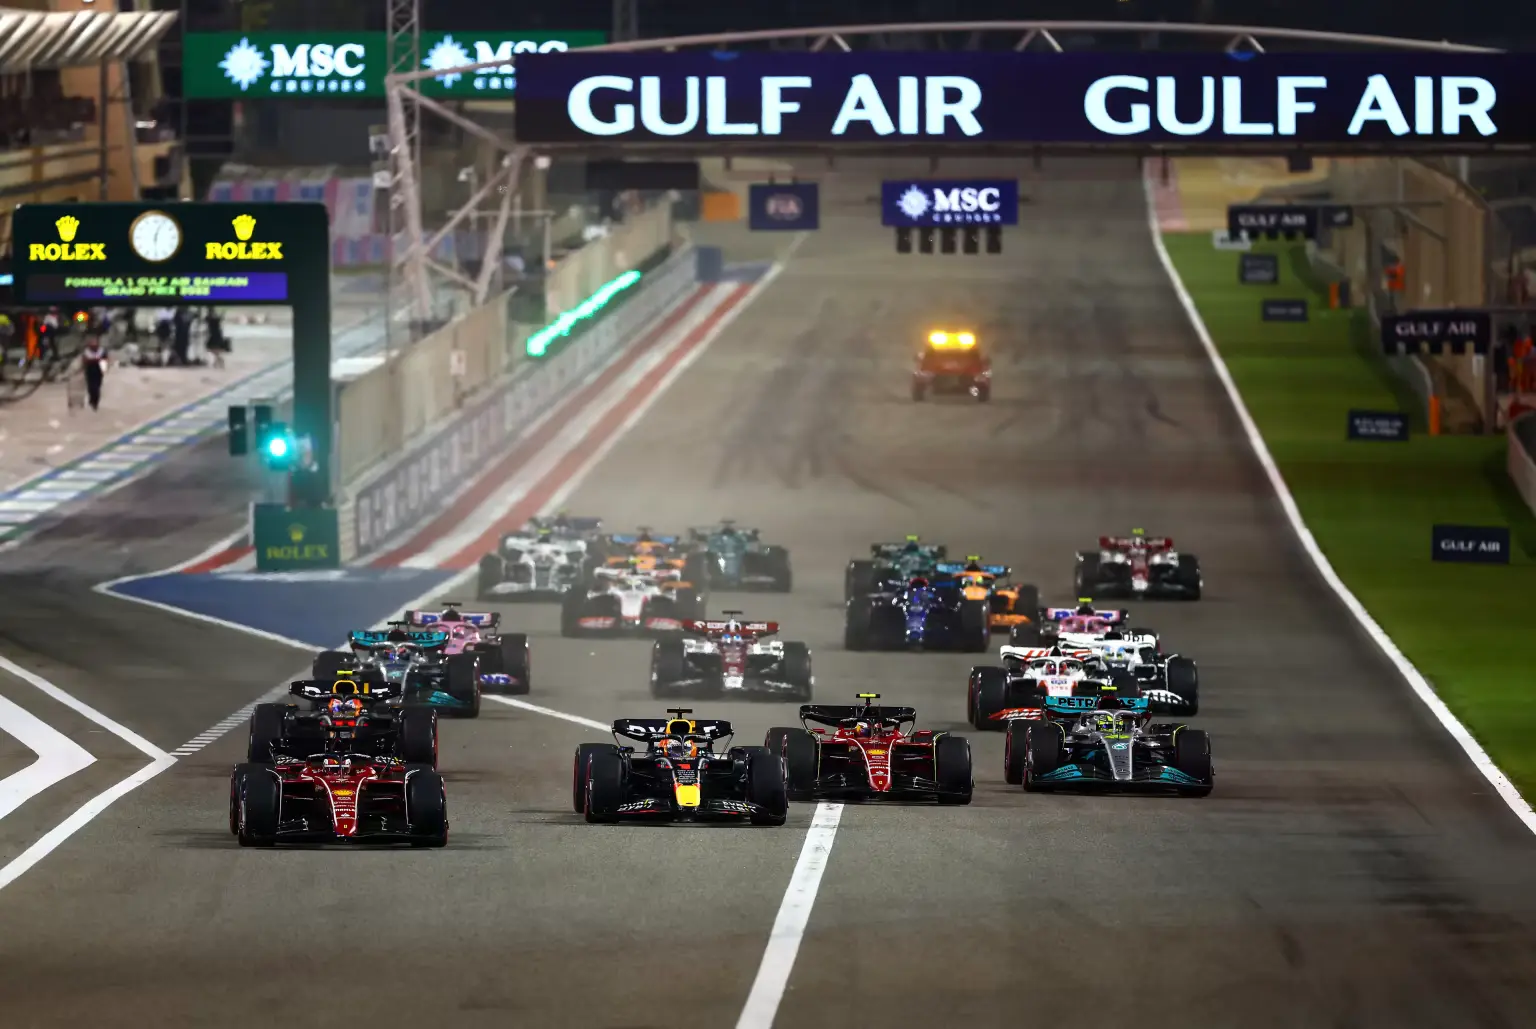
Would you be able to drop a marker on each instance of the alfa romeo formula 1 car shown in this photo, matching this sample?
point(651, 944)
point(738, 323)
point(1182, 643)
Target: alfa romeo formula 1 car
point(539, 565)
point(620, 601)
point(505, 663)
point(1138, 565)
point(865, 752)
point(731, 658)
point(891, 564)
point(1009, 605)
point(1089, 743)
point(919, 615)
point(738, 559)
point(680, 775)
point(952, 362)
point(417, 662)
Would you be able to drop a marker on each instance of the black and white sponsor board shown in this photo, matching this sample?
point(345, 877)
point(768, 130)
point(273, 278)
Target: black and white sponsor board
point(1437, 331)
point(1258, 269)
point(784, 207)
point(1283, 310)
point(1272, 221)
point(1388, 426)
point(1471, 544)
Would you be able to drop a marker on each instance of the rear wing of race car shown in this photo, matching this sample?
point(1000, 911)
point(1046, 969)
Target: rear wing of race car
point(956, 567)
point(319, 689)
point(837, 714)
point(1128, 542)
point(936, 551)
point(1114, 616)
point(649, 730)
point(757, 629)
point(418, 637)
point(479, 619)
point(1008, 653)
point(627, 538)
point(1110, 701)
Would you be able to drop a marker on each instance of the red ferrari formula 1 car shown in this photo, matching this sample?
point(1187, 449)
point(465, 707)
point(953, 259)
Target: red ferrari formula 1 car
point(952, 362)
point(867, 752)
point(504, 658)
point(337, 798)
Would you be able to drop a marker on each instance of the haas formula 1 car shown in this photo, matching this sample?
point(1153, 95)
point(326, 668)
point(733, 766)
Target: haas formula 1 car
point(952, 362)
point(504, 657)
point(1090, 742)
point(678, 776)
point(355, 769)
point(621, 601)
point(1138, 565)
point(417, 662)
point(864, 752)
point(1170, 681)
point(731, 658)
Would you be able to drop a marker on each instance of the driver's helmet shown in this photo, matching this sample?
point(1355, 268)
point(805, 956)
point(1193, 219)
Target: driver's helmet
point(561, 520)
point(682, 748)
point(395, 654)
point(912, 547)
point(918, 583)
point(1043, 666)
point(1085, 609)
point(343, 707)
point(973, 564)
point(460, 632)
point(1105, 721)
point(863, 730)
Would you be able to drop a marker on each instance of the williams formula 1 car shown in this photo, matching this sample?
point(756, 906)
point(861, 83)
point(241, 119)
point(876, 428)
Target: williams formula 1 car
point(732, 658)
point(738, 559)
point(891, 564)
point(1093, 743)
point(1138, 565)
point(680, 775)
point(918, 615)
point(417, 662)
point(952, 362)
point(504, 657)
point(864, 752)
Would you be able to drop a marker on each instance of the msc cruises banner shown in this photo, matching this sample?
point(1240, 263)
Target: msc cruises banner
point(1132, 98)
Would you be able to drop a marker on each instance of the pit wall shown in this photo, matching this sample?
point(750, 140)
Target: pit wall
point(626, 246)
point(1522, 456)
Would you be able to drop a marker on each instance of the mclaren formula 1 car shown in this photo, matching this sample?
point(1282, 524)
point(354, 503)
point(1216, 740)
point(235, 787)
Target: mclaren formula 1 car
point(680, 775)
point(738, 559)
point(952, 362)
point(619, 601)
point(731, 658)
point(918, 615)
point(1090, 743)
point(1138, 565)
point(1009, 605)
point(505, 664)
point(865, 752)
point(890, 564)
point(417, 662)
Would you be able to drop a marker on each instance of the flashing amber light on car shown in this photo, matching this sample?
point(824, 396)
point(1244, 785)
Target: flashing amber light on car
point(952, 340)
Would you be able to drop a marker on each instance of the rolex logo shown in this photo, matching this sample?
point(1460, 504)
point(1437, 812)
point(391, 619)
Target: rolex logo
point(67, 249)
point(67, 226)
point(296, 533)
point(244, 250)
point(244, 226)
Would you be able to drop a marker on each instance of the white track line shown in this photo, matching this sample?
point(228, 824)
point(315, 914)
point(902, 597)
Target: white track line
point(538, 709)
point(1411, 675)
point(58, 756)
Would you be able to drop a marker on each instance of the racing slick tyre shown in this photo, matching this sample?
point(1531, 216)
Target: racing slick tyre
point(1192, 756)
point(1182, 678)
point(584, 752)
point(1189, 576)
point(572, 607)
point(797, 670)
point(952, 769)
point(667, 665)
point(988, 695)
point(426, 808)
point(236, 785)
point(919, 392)
point(765, 786)
point(1042, 753)
point(776, 561)
point(975, 626)
point(1014, 748)
point(416, 736)
point(491, 573)
point(856, 625)
point(516, 661)
point(798, 749)
point(462, 683)
point(259, 805)
point(983, 393)
point(1085, 579)
point(328, 662)
point(605, 786)
point(696, 573)
point(268, 722)
point(859, 579)
point(1024, 635)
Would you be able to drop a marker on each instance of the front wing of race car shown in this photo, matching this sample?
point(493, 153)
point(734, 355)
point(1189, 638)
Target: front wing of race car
point(1089, 775)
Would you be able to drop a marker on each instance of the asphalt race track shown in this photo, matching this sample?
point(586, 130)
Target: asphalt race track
point(1351, 869)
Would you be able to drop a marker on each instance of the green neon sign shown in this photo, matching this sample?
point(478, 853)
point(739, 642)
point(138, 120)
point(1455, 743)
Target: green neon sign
point(538, 343)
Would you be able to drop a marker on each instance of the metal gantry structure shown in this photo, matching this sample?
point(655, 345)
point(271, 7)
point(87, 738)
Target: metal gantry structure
point(413, 265)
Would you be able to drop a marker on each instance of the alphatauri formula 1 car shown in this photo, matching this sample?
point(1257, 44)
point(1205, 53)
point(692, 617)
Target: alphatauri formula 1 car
point(731, 658)
point(679, 775)
point(1088, 743)
point(1138, 565)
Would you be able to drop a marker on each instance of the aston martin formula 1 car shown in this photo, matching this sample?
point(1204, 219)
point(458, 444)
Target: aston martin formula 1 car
point(891, 564)
point(337, 798)
point(1138, 565)
point(738, 559)
point(537, 565)
point(504, 658)
point(619, 601)
point(864, 752)
point(731, 658)
point(1009, 605)
point(680, 775)
point(414, 660)
point(918, 615)
point(1087, 743)
point(952, 362)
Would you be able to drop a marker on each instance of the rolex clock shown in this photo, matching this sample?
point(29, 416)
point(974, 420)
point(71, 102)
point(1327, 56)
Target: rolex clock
point(155, 236)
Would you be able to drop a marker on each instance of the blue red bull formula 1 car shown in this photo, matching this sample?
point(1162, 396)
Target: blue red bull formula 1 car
point(921, 614)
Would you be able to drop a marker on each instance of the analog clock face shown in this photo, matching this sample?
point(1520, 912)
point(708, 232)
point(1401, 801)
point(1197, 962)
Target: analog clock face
point(155, 236)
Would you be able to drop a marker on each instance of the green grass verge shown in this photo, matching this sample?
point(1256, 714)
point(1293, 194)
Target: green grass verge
point(1371, 505)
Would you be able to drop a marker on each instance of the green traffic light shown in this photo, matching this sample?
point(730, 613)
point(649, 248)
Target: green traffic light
point(277, 447)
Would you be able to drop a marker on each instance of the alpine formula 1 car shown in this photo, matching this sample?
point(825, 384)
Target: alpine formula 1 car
point(731, 658)
point(918, 615)
point(417, 662)
point(621, 601)
point(505, 663)
point(891, 563)
point(864, 752)
point(738, 559)
point(680, 775)
point(1090, 743)
point(1009, 605)
point(353, 769)
point(1170, 681)
point(952, 362)
point(1138, 565)
point(540, 563)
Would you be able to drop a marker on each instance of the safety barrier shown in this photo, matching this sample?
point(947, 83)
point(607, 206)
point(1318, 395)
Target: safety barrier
point(388, 502)
point(628, 245)
point(1521, 460)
